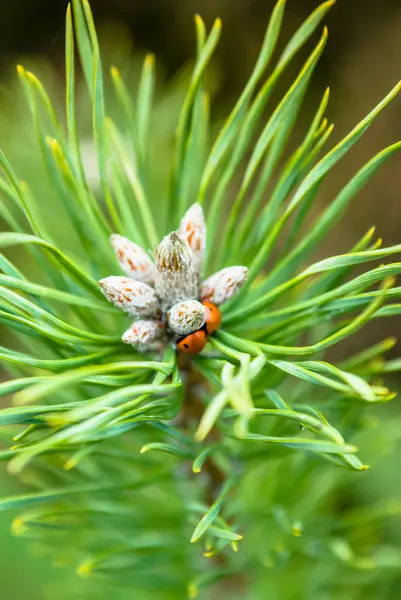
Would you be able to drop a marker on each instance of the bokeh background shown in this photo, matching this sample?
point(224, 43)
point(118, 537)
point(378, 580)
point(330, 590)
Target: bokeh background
point(361, 63)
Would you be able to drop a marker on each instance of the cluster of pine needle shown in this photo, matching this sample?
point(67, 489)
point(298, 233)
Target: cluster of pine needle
point(154, 475)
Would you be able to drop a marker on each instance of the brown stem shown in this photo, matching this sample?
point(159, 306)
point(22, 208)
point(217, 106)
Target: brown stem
point(191, 412)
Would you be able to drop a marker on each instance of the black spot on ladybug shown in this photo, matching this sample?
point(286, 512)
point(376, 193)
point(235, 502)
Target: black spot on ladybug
point(186, 346)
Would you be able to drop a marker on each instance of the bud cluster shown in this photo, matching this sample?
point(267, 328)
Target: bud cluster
point(165, 297)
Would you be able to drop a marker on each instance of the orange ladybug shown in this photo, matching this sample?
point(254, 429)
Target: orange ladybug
point(193, 343)
point(213, 317)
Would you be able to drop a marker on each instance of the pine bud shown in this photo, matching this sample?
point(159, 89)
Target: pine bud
point(177, 278)
point(142, 334)
point(133, 297)
point(186, 317)
point(133, 260)
point(193, 230)
point(222, 286)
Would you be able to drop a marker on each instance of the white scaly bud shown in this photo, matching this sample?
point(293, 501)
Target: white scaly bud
point(222, 286)
point(143, 334)
point(177, 278)
point(193, 230)
point(186, 317)
point(133, 259)
point(134, 297)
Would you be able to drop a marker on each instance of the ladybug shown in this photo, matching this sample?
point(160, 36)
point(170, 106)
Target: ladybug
point(193, 343)
point(213, 317)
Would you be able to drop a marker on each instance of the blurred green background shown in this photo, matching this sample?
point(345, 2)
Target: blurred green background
point(361, 63)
